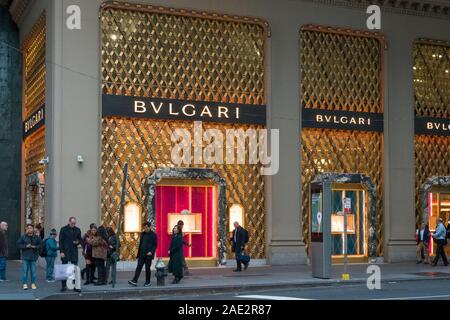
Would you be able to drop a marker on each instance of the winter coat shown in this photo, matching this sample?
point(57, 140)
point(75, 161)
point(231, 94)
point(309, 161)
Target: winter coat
point(67, 236)
point(113, 241)
point(87, 248)
point(3, 244)
point(148, 243)
point(52, 247)
point(176, 256)
point(99, 247)
point(239, 243)
point(30, 254)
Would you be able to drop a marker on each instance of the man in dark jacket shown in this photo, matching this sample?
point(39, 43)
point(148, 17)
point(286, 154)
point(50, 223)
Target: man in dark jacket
point(30, 246)
point(239, 240)
point(147, 249)
point(423, 239)
point(3, 250)
point(69, 239)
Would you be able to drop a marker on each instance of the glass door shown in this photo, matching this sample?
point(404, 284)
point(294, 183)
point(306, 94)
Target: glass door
point(439, 207)
point(353, 201)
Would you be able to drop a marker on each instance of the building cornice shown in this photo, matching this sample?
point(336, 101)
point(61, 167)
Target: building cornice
point(425, 8)
point(19, 8)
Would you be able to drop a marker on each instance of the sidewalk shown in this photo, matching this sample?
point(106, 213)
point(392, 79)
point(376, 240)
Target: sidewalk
point(214, 280)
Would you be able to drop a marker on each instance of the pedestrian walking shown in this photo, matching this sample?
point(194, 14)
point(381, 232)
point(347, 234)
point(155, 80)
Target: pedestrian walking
point(89, 269)
point(99, 254)
point(3, 250)
point(423, 240)
point(69, 240)
point(112, 258)
point(147, 248)
point(239, 239)
point(30, 246)
point(176, 254)
point(185, 266)
point(441, 238)
point(51, 252)
point(39, 231)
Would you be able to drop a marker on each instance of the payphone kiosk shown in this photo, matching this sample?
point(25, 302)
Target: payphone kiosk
point(320, 229)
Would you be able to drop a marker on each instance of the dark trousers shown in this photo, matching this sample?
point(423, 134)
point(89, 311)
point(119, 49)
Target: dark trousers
point(440, 251)
point(64, 261)
point(147, 261)
point(100, 265)
point(238, 254)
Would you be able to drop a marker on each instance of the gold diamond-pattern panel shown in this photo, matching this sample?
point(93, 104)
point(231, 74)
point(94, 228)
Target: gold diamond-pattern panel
point(340, 71)
point(432, 154)
point(146, 145)
point(431, 79)
point(343, 152)
point(34, 152)
point(182, 57)
point(34, 67)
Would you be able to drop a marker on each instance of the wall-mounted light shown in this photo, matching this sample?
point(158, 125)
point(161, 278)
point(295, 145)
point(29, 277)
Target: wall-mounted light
point(236, 213)
point(44, 161)
point(132, 218)
point(80, 159)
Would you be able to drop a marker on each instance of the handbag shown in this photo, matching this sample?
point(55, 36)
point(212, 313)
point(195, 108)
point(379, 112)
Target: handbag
point(244, 257)
point(115, 257)
point(63, 271)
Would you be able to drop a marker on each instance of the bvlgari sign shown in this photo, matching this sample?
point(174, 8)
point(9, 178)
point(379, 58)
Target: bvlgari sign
point(342, 120)
point(432, 126)
point(185, 110)
point(34, 122)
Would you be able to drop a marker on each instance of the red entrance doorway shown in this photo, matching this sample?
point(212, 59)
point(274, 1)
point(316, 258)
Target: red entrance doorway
point(196, 205)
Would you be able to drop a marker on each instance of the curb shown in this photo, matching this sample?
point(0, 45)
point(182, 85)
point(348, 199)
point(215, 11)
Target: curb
point(189, 291)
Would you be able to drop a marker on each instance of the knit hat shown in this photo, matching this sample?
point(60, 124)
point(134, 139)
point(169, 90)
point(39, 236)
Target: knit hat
point(53, 232)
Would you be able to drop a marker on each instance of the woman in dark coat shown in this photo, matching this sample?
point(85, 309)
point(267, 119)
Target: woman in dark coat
point(176, 254)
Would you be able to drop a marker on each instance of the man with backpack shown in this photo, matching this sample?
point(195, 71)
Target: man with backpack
point(49, 251)
point(239, 240)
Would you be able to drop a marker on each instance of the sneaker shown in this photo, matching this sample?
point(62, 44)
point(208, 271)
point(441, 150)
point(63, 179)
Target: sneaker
point(33, 286)
point(132, 283)
point(245, 266)
point(147, 284)
point(51, 281)
point(25, 287)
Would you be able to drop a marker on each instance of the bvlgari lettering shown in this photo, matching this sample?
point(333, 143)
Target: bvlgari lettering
point(182, 110)
point(438, 126)
point(362, 121)
point(34, 122)
point(342, 120)
point(187, 110)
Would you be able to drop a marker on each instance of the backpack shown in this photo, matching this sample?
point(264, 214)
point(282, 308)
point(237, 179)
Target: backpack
point(43, 251)
point(245, 236)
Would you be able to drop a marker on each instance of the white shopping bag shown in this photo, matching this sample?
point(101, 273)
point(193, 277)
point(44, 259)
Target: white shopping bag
point(64, 271)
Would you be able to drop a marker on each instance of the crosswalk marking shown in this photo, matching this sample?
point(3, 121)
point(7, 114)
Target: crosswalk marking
point(262, 297)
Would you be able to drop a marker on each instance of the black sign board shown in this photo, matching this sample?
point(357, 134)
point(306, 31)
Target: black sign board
point(432, 126)
point(34, 122)
point(342, 120)
point(170, 109)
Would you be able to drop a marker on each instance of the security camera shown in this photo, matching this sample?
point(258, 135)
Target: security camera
point(44, 161)
point(80, 159)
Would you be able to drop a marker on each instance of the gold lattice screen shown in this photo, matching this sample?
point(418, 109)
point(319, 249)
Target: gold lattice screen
point(34, 92)
point(164, 53)
point(432, 99)
point(341, 71)
point(432, 159)
point(432, 79)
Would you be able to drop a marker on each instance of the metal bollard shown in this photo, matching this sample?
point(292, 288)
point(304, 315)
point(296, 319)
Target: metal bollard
point(161, 273)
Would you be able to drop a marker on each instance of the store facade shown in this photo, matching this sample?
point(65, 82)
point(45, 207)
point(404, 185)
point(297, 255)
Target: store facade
point(432, 128)
point(341, 97)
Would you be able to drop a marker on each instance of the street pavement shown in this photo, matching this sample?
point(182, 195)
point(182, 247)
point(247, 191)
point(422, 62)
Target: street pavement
point(393, 290)
point(206, 282)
